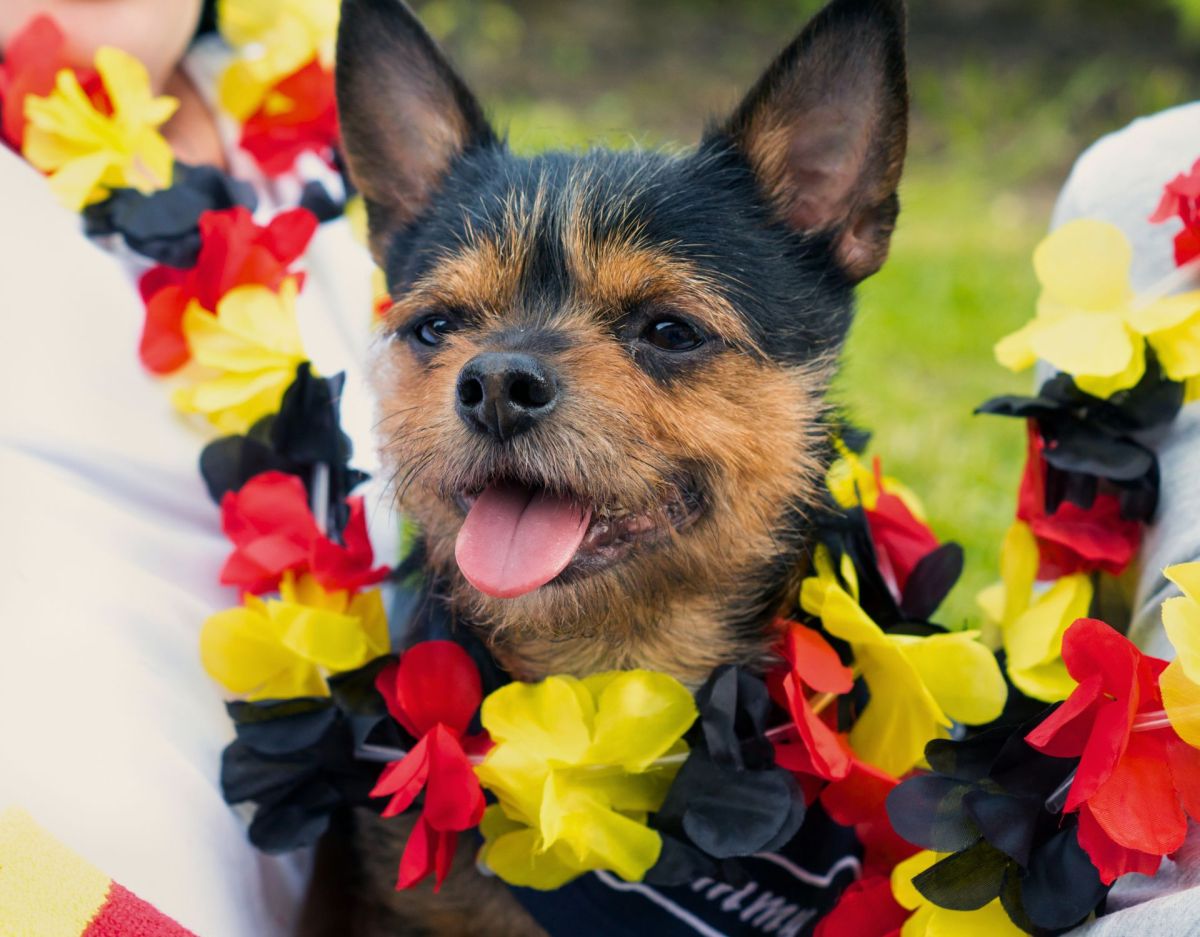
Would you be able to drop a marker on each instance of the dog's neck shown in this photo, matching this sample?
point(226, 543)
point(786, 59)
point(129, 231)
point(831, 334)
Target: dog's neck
point(686, 638)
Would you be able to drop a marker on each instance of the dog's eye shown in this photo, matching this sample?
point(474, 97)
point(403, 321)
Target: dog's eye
point(432, 330)
point(672, 335)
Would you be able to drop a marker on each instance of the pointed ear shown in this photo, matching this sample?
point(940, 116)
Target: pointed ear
point(405, 114)
point(825, 128)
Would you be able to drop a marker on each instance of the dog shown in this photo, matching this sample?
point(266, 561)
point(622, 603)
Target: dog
point(604, 374)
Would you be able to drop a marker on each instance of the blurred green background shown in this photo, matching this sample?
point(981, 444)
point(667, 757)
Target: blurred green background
point(1006, 93)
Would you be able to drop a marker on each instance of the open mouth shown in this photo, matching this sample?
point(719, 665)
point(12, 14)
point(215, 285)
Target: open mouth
point(517, 538)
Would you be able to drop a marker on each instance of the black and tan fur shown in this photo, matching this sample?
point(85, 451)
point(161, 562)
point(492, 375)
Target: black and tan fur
point(755, 239)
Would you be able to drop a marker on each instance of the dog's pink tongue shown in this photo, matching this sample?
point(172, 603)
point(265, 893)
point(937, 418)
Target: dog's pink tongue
point(515, 540)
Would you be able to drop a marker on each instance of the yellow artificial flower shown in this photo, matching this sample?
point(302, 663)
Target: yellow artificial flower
point(88, 153)
point(917, 684)
point(574, 770)
point(851, 483)
point(1172, 327)
point(283, 648)
point(276, 38)
point(1088, 323)
point(1180, 682)
point(1033, 626)
point(1181, 617)
point(929, 920)
point(251, 347)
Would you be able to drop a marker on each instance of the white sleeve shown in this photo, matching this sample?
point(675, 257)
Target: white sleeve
point(1120, 178)
point(109, 554)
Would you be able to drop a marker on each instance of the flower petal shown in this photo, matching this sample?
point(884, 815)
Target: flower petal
point(434, 682)
point(1181, 699)
point(1112, 860)
point(1105, 748)
point(1033, 641)
point(517, 778)
point(1089, 345)
point(901, 715)
point(960, 673)
point(1085, 263)
point(1105, 386)
point(1018, 569)
point(453, 797)
point(76, 183)
point(516, 858)
point(639, 716)
point(1015, 351)
point(1187, 577)
point(550, 720)
point(989, 921)
point(240, 649)
point(1137, 806)
point(814, 662)
point(844, 618)
point(1181, 619)
point(427, 851)
point(903, 889)
point(402, 780)
point(1064, 733)
point(328, 639)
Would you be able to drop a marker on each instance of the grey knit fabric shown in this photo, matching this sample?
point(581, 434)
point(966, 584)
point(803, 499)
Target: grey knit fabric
point(1120, 179)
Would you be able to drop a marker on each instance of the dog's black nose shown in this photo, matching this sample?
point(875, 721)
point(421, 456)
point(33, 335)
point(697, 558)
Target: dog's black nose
point(503, 394)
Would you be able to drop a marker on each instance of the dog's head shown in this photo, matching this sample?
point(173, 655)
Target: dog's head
point(602, 386)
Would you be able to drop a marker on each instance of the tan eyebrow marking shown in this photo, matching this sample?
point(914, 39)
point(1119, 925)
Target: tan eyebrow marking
point(484, 273)
point(614, 274)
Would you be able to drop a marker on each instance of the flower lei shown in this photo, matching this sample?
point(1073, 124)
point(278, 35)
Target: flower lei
point(991, 794)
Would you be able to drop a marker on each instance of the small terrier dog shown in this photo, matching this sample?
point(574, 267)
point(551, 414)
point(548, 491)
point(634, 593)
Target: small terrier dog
point(603, 386)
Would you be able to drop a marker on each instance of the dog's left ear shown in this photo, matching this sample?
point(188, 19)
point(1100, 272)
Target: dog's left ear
point(825, 129)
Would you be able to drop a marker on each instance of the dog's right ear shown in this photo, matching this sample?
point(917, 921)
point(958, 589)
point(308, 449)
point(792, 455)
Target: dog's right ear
point(824, 129)
point(405, 114)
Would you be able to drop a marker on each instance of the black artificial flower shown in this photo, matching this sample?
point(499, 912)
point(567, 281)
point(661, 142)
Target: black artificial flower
point(991, 801)
point(729, 799)
point(1091, 443)
point(301, 760)
point(164, 225)
point(305, 433)
point(846, 532)
point(316, 198)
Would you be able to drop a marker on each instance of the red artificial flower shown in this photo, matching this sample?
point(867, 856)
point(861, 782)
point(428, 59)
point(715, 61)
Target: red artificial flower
point(859, 800)
point(866, 908)
point(900, 539)
point(1133, 788)
point(427, 850)
point(273, 530)
point(298, 116)
point(1181, 199)
point(1073, 539)
point(234, 251)
point(811, 665)
point(433, 691)
point(33, 57)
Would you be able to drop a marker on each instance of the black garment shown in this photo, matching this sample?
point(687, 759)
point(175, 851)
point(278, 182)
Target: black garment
point(784, 894)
